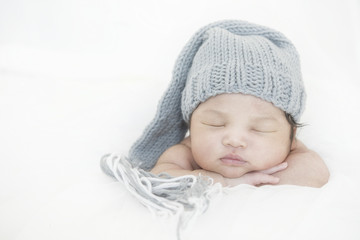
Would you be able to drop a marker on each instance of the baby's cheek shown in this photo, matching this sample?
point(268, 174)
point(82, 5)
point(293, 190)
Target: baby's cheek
point(202, 153)
point(198, 151)
point(273, 159)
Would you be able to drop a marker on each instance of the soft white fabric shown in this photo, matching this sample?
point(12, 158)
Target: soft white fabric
point(108, 211)
point(74, 87)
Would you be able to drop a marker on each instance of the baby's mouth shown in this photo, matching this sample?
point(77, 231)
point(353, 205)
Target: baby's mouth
point(232, 159)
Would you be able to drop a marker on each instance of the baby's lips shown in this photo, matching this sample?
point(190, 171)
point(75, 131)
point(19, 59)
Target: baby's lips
point(233, 159)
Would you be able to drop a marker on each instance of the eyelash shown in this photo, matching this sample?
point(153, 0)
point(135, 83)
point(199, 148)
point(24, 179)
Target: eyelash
point(223, 125)
point(214, 125)
point(262, 131)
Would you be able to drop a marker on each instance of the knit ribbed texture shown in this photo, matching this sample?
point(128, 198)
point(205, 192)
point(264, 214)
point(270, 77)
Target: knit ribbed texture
point(222, 57)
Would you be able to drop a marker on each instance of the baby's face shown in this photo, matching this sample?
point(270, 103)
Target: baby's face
point(233, 134)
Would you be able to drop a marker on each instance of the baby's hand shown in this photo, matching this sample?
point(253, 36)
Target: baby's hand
point(258, 177)
point(275, 169)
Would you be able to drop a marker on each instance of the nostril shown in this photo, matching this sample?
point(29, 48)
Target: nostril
point(234, 142)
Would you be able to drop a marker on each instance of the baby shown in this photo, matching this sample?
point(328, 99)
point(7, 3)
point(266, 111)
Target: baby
point(237, 91)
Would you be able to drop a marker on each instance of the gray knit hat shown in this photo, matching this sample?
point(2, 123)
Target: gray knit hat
point(223, 57)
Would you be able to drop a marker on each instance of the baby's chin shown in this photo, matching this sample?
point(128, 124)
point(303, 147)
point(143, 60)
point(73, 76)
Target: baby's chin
point(233, 172)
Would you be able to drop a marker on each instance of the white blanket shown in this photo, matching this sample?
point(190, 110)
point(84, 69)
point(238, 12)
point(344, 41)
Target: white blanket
point(108, 211)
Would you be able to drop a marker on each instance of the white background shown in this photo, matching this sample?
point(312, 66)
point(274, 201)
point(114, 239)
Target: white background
point(79, 79)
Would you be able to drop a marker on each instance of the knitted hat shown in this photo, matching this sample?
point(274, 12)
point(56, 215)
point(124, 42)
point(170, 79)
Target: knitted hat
point(223, 57)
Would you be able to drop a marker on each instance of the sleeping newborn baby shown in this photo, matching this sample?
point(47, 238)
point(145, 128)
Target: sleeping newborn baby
point(237, 138)
point(237, 91)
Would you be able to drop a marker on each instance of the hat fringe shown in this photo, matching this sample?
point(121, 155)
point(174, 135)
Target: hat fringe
point(185, 197)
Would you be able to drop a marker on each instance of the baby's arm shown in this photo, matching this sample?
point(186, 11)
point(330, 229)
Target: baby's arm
point(178, 161)
point(305, 167)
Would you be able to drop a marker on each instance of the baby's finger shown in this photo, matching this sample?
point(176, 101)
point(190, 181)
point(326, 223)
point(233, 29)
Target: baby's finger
point(264, 179)
point(275, 169)
point(254, 178)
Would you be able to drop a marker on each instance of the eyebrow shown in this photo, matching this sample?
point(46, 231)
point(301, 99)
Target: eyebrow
point(213, 111)
point(264, 118)
point(254, 118)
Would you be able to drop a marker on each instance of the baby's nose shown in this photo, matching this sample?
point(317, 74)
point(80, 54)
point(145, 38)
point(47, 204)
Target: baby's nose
point(235, 140)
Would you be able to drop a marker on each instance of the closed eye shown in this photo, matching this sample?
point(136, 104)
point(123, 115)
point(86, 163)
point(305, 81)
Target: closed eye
point(217, 125)
point(264, 130)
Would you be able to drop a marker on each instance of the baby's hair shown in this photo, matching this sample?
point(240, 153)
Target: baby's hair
point(293, 124)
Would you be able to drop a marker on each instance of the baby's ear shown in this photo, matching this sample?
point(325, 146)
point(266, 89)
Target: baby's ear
point(293, 140)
